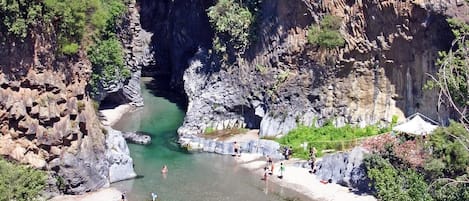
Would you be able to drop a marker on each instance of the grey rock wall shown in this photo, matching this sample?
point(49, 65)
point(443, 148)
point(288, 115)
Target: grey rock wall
point(137, 44)
point(118, 157)
point(346, 169)
point(283, 81)
point(263, 147)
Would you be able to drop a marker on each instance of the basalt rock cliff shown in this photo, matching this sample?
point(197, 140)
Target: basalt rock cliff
point(283, 81)
point(48, 120)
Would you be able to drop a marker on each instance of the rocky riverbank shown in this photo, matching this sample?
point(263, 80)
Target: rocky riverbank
point(344, 170)
point(249, 143)
point(108, 194)
point(299, 179)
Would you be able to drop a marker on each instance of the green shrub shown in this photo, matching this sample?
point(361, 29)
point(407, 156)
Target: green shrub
point(107, 59)
point(327, 34)
point(70, 19)
point(70, 49)
point(444, 190)
point(18, 16)
point(80, 106)
point(391, 184)
point(449, 156)
point(18, 182)
point(232, 20)
point(326, 137)
point(209, 130)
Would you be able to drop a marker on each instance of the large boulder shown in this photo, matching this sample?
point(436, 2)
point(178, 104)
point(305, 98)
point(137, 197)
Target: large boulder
point(264, 147)
point(137, 137)
point(346, 169)
point(118, 156)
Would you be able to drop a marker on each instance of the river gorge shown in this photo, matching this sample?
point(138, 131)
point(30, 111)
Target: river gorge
point(204, 176)
point(188, 67)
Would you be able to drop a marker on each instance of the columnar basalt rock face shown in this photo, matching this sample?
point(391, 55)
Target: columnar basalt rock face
point(282, 81)
point(47, 119)
point(49, 122)
point(138, 53)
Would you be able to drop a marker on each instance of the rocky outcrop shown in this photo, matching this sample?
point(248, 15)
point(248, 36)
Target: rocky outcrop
point(283, 81)
point(136, 43)
point(346, 169)
point(263, 147)
point(137, 137)
point(48, 122)
point(118, 156)
point(138, 53)
point(47, 119)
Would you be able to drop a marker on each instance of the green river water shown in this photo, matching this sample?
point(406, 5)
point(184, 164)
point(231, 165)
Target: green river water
point(191, 177)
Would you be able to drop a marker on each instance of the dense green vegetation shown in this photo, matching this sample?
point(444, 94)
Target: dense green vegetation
point(232, 21)
point(452, 78)
point(71, 20)
point(17, 16)
point(76, 25)
point(327, 137)
point(108, 63)
point(18, 182)
point(391, 183)
point(449, 157)
point(234, 24)
point(442, 176)
point(326, 34)
point(75, 20)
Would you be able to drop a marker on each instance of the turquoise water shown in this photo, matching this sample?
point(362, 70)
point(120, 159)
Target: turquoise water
point(191, 177)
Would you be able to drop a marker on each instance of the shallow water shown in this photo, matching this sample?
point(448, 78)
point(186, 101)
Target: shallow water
point(191, 177)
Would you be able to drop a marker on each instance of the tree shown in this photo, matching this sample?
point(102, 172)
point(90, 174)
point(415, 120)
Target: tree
point(327, 34)
point(18, 182)
point(392, 184)
point(108, 63)
point(452, 79)
point(231, 20)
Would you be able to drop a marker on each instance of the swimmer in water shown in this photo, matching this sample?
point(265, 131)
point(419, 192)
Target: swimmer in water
point(164, 169)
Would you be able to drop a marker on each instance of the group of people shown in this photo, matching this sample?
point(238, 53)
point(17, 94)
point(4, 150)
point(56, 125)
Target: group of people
point(287, 152)
point(269, 169)
point(154, 196)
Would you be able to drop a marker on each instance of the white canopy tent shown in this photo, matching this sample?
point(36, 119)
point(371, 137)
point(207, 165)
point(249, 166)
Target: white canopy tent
point(416, 126)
